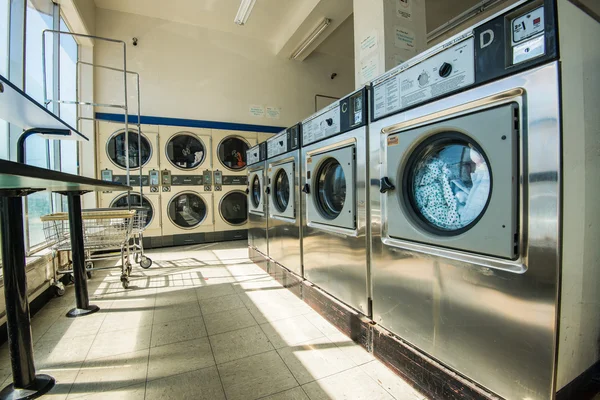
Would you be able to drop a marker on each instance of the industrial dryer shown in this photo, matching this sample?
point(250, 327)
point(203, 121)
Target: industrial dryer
point(475, 187)
point(283, 190)
point(258, 200)
point(334, 219)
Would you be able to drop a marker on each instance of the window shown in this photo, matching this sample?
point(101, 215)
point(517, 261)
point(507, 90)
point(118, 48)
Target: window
point(61, 83)
point(4, 26)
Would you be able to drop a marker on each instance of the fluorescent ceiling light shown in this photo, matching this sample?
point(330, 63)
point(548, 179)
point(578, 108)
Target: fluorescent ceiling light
point(244, 11)
point(311, 38)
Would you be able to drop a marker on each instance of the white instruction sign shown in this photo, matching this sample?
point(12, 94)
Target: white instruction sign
point(273, 112)
point(257, 111)
point(404, 9)
point(368, 45)
point(405, 39)
point(369, 68)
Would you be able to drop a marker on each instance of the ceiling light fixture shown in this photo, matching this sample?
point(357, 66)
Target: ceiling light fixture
point(311, 38)
point(244, 11)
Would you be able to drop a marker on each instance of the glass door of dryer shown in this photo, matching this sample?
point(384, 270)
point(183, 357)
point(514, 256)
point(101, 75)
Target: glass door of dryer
point(234, 208)
point(331, 193)
point(282, 202)
point(255, 192)
point(188, 210)
point(187, 151)
point(118, 143)
point(134, 201)
point(231, 152)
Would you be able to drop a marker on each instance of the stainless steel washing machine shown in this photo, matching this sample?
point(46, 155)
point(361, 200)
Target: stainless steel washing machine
point(258, 200)
point(334, 180)
point(465, 148)
point(283, 190)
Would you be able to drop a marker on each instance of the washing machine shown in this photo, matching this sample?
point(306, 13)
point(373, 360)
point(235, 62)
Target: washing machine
point(284, 205)
point(151, 201)
point(467, 200)
point(112, 158)
point(229, 151)
point(257, 199)
point(335, 223)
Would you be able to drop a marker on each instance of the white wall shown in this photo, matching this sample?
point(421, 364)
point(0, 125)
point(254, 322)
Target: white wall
point(195, 73)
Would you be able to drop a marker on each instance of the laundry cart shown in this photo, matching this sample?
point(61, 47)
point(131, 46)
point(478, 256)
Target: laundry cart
point(103, 229)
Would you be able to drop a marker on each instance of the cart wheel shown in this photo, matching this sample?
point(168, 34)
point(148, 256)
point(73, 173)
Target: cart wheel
point(146, 262)
point(125, 281)
point(88, 266)
point(70, 278)
point(59, 289)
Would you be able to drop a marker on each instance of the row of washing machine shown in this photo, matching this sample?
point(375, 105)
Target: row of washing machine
point(432, 201)
point(193, 180)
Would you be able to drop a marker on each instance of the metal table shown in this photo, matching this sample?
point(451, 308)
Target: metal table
point(16, 181)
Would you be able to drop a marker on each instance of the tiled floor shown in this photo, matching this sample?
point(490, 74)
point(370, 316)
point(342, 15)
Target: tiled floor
point(202, 323)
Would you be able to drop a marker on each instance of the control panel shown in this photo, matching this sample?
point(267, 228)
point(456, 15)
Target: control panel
point(284, 141)
point(339, 117)
point(107, 175)
point(218, 175)
point(207, 178)
point(165, 180)
point(154, 177)
point(257, 153)
point(520, 38)
point(444, 72)
point(187, 180)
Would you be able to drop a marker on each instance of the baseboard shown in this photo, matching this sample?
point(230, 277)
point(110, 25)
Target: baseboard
point(584, 387)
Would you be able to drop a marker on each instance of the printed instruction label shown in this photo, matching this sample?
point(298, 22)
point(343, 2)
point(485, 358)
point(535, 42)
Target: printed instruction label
point(422, 82)
point(405, 39)
point(273, 112)
point(369, 69)
point(404, 9)
point(257, 110)
point(368, 45)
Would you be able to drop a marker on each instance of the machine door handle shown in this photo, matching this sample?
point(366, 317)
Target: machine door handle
point(385, 185)
point(268, 190)
point(247, 191)
point(306, 188)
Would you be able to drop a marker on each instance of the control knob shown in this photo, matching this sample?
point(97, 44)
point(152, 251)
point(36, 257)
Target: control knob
point(329, 121)
point(445, 70)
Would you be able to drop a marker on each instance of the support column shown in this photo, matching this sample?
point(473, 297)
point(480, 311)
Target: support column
point(386, 33)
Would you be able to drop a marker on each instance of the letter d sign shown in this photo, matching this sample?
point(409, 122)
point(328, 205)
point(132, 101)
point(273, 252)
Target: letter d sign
point(486, 38)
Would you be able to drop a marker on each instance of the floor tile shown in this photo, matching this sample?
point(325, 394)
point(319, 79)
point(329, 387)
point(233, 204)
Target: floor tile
point(119, 320)
point(220, 304)
point(290, 331)
point(293, 394)
point(255, 377)
point(64, 376)
point(270, 312)
point(391, 382)
point(315, 359)
point(238, 344)
point(49, 353)
point(228, 321)
point(352, 350)
point(175, 296)
point(180, 357)
point(176, 312)
point(100, 375)
point(177, 331)
point(65, 327)
point(352, 384)
point(120, 342)
point(322, 324)
point(203, 384)
point(210, 291)
point(135, 392)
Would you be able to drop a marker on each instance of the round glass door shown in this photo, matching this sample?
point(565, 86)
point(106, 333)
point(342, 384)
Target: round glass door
point(233, 208)
point(185, 151)
point(331, 188)
point(232, 153)
point(281, 192)
point(255, 191)
point(115, 148)
point(187, 210)
point(134, 200)
point(449, 183)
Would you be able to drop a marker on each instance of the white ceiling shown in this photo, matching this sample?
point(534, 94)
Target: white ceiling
point(266, 20)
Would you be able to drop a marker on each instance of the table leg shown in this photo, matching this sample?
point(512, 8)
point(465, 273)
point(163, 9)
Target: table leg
point(79, 273)
point(26, 384)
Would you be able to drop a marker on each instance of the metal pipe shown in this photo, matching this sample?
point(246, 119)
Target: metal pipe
point(83, 306)
point(29, 132)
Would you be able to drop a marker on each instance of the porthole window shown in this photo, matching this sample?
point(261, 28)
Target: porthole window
point(185, 151)
point(255, 191)
point(448, 182)
point(187, 210)
point(232, 153)
point(116, 146)
point(234, 208)
point(281, 193)
point(134, 199)
point(331, 188)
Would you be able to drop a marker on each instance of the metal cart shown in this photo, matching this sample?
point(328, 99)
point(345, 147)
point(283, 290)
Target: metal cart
point(103, 229)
